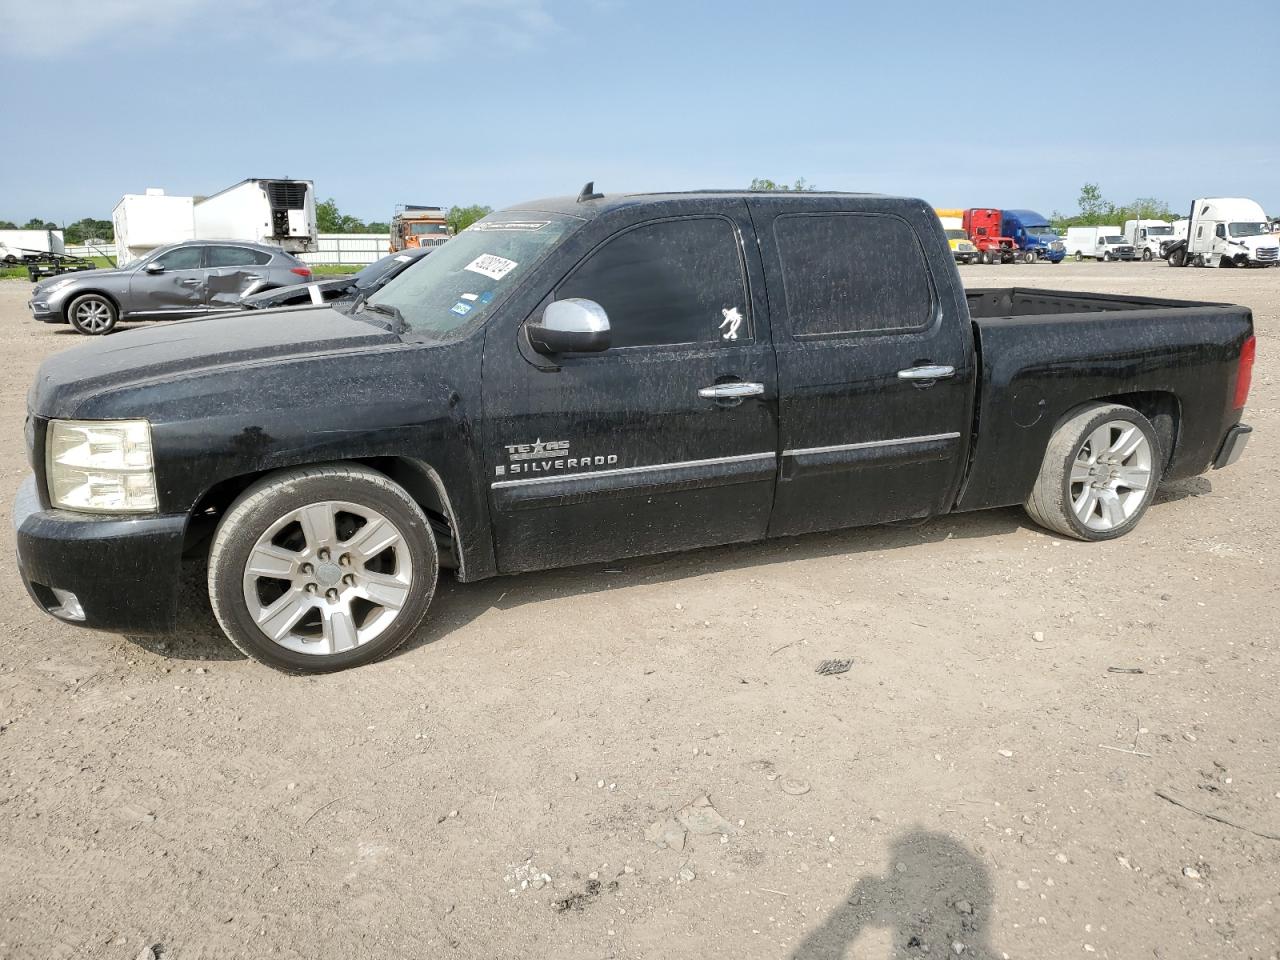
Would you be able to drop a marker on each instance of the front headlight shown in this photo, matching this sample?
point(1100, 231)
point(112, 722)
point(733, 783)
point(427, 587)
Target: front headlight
point(57, 285)
point(101, 466)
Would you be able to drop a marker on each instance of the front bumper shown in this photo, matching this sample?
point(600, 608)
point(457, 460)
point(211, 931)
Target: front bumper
point(1232, 446)
point(46, 311)
point(122, 573)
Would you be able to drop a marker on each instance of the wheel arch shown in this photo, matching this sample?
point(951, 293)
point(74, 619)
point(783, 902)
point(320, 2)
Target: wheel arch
point(418, 478)
point(105, 294)
point(1161, 407)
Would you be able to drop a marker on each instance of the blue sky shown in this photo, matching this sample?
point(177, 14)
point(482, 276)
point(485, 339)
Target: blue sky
point(495, 101)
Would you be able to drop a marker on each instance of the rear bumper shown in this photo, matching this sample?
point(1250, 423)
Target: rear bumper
point(110, 573)
point(1232, 446)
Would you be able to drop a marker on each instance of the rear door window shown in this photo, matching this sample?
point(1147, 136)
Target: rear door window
point(679, 281)
point(236, 257)
point(852, 273)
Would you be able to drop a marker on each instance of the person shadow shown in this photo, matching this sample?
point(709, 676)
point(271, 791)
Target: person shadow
point(934, 896)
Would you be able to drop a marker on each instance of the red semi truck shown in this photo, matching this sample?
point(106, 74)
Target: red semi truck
point(983, 225)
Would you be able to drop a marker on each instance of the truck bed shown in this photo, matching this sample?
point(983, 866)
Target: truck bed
point(1042, 353)
point(988, 303)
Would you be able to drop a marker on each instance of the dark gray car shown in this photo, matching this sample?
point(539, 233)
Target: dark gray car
point(189, 279)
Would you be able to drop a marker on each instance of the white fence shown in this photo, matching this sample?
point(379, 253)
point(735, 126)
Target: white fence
point(353, 248)
point(356, 249)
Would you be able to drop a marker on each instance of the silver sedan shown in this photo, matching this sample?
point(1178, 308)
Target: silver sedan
point(194, 278)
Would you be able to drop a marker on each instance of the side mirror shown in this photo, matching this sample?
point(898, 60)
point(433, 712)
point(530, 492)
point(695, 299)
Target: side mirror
point(154, 267)
point(570, 326)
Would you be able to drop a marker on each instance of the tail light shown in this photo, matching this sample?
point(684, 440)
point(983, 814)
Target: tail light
point(1244, 373)
point(301, 271)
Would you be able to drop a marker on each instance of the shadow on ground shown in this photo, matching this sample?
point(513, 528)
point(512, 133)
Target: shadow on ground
point(934, 899)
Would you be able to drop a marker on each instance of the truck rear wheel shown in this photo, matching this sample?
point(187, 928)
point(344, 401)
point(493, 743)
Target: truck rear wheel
point(322, 568)
point(1079, 256)
point(1099, 473)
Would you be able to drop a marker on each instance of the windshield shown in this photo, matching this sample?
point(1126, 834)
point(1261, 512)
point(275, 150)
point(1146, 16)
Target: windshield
point(1043, 230)
point(1247, 229)
point(1159, 231)
point(418, 229)
point(461, 280)
point(1113, 239)
point(957, 235)
point(375, 271)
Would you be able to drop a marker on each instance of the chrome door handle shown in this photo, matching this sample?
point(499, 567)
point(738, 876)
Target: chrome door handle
point(731, 391)
point(252, 276)
point(191, 280)
point(930, 372)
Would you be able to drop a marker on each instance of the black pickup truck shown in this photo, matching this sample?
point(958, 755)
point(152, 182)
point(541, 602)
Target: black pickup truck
point(590, 378)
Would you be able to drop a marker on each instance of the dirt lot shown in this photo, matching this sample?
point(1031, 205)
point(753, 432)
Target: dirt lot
point(960, 789)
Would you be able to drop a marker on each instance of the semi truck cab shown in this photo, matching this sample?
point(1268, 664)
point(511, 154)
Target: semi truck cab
point(1032, 234)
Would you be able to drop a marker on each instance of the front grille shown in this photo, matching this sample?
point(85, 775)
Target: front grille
point(286, 194)
point(1057, 245)
point(1268, 254)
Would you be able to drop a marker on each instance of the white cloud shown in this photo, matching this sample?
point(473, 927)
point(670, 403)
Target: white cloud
point(41, 30)
point(391, 30)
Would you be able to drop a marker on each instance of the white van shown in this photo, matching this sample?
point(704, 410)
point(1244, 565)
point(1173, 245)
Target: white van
point(1149, 237)
point(1103, 243)
point(1227, 232)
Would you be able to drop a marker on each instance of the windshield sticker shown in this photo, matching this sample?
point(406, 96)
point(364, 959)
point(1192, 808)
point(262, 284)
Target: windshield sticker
point(732, 321)
point(461, 308)
point(469, 296)
point(486, 296)
point(525, 225)
point(491, 266)
point(403, 259)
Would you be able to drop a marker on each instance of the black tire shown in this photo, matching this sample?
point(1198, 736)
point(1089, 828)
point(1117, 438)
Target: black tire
point(1146, 256)
point(1050, 502)
point(273, 497)
point(1106, 256)
point(1177, 258)
point(93, 315)
point(1030, 257)
point(1079, 256)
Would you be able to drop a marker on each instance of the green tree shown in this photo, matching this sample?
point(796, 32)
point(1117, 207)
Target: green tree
point(763, 185)
point(35, 223)
point(88, 228)
point(462, 217)
point(1094, 209)
point(8, 225)
point(377, 226)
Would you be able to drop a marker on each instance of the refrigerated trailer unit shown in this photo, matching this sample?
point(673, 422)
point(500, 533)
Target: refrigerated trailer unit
point(144, 221)
point(277, 212)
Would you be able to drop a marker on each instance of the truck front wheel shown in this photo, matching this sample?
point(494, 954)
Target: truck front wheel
point(322, 568)
point(1146, 256)
point(1079, 256)
point(1099, 473)
point(1030, 257)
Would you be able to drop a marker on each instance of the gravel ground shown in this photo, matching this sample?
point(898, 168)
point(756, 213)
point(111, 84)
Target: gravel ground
point(487, 791)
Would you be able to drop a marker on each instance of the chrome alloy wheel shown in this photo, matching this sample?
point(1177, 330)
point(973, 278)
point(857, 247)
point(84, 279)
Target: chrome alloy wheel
point(327, 577)
point(1110, 475)
point(93, 315)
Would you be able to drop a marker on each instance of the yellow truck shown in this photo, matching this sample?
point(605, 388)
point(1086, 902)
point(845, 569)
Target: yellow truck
point(962, 247)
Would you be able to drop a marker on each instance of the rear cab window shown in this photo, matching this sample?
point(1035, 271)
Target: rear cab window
point(848, 274)
point(668, 282)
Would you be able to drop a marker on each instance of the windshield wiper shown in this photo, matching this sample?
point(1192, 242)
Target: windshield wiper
point(387, 310)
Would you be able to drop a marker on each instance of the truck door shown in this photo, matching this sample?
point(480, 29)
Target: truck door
point(875, 365)
point(233, 272)
point(665, 441)
point(172, 284)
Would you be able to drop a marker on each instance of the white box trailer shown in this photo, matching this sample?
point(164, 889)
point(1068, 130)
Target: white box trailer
point(144, 221)
point(14, 244)
point(277, 212)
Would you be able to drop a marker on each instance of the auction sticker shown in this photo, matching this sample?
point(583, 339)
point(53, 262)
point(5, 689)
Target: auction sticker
point(491, 266)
